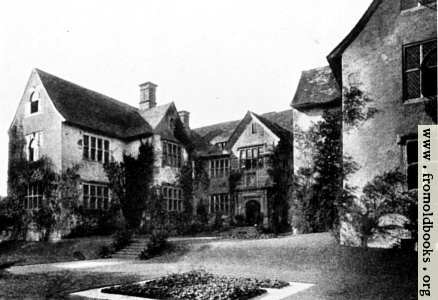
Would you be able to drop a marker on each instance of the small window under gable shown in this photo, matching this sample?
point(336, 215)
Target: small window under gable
point(34, 102)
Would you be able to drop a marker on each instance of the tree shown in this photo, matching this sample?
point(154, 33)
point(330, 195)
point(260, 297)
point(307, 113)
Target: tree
point(186, 182)
point(327, 173)
point(130, 180)
point(385, 194)
point(281, 174)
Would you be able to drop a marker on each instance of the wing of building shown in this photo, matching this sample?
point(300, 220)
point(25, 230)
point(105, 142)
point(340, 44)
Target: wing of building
point(390, 58)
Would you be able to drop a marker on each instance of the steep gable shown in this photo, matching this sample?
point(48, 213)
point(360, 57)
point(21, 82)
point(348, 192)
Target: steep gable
point(222, 132)
point(91, 110)
point(335, 57)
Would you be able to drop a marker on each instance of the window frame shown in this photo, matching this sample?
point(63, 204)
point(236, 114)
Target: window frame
point(219, 167)
point(93, 199)
point(220, 203)
point(91, 151)
point(34, 101)
point(34, 197)
point(419, 69)
point(34, 142)
point(252, 157)
point(173, 197)
point(410, 164)
point(172, 154)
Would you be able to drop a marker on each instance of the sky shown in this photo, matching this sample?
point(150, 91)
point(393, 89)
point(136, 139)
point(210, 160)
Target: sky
point(215, 58)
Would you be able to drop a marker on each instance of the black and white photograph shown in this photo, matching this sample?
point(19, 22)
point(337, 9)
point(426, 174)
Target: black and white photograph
point(218, 150)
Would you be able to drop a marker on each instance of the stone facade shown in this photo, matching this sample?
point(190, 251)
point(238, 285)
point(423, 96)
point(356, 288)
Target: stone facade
point(70, 137)
point(251, 197)
point(63, 141)
point(373, 62)
point(372, 59)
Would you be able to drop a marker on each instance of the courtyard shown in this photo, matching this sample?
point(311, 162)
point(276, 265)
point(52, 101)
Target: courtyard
point(337, 272)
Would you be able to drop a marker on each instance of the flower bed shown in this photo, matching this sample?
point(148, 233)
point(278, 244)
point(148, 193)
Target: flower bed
point(198, 285)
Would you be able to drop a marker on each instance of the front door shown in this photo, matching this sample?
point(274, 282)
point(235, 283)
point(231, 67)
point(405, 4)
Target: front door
point(252, 212)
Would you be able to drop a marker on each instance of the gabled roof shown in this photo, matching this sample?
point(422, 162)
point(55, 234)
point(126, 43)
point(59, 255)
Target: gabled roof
point(278, 130)
point(220, 131)
point(223, 131)
point(335, 57)
point(317, 87)
point(280, 123)
point(272, 126)
point(156, 114)
point(94, 111)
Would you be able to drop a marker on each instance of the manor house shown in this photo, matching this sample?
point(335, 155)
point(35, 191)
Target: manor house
point(72, 125)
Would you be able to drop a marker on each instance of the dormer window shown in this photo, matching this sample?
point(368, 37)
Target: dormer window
point(221, 145)
point(34, 102)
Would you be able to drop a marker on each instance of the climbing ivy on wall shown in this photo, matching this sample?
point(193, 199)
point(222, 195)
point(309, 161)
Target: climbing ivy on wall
point(280, 172)
point(356, 107)
point(130, 181)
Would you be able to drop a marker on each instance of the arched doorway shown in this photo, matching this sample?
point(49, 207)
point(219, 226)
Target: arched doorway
point(252, 212)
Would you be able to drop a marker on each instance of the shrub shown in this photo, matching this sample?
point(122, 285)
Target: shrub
point(239, 220)
point(385, 194)
point(197, 285)
point(155, 246)
point(121, 239)
point(105, 251)
point(93, 222)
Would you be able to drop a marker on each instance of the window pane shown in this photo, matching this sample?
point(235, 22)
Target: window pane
point(93, 190)
point(412, 176)
point(86, 189)
point(429, 83)
point(106, 145)
point(93, 203)
point(412, 152)
point(429, 53)
point(99, 155)
point(86, 140)
point(412, 85)
point(34, 107)
point(105, 203)
point(99, 191)
point(106, 192)
point(412, 57)
point(93, 142)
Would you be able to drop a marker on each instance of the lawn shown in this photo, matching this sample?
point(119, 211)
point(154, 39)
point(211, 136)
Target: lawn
point(44, 252)
point(338, 272)
point(56, 285)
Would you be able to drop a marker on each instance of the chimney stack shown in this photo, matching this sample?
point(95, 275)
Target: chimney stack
point(185, 118)
point(147, 95)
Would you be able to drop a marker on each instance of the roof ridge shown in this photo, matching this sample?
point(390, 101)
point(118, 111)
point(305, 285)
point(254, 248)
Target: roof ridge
point(89, 90)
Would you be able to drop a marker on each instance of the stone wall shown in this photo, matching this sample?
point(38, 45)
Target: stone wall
point(47, 121)
point(373, 63)
point(72, 145)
